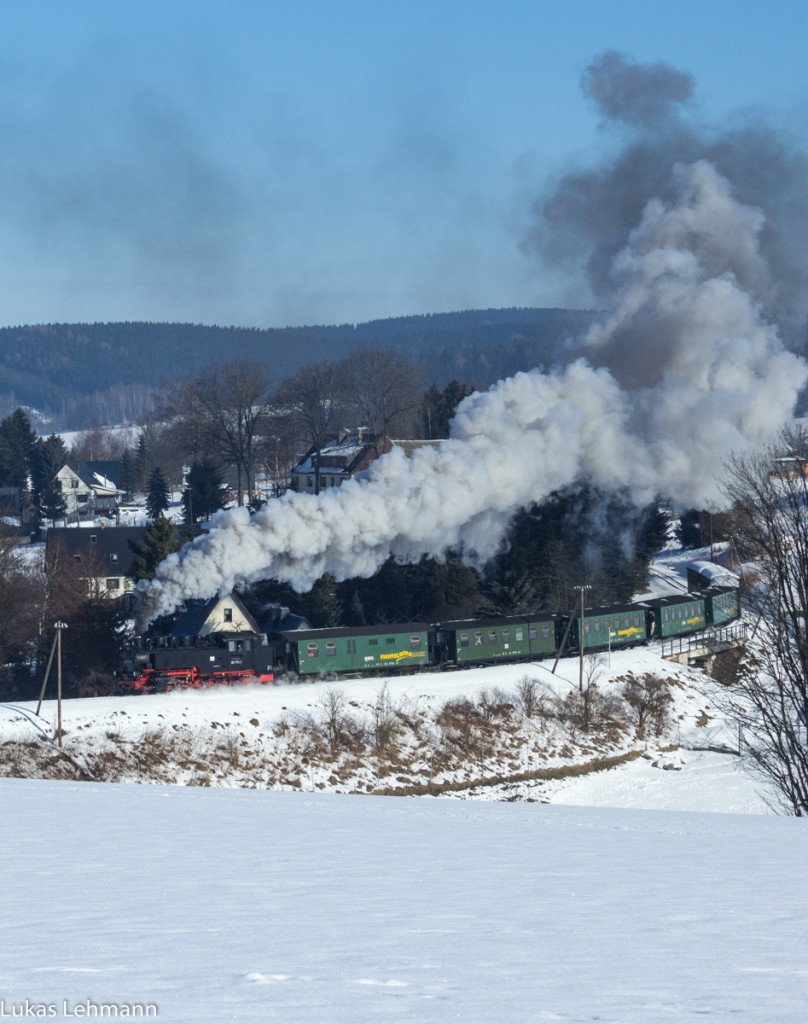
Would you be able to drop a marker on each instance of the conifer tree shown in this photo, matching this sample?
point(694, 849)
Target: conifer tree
point(203, 493)
point(162, 539)
point(157, 498)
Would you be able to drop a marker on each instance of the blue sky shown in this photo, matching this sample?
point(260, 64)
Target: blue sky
point(271, 163)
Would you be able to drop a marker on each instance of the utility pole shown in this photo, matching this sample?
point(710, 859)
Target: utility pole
point(57, 648)
point(583, 587)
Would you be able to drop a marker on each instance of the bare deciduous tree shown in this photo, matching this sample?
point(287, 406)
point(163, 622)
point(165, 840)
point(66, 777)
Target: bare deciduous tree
point(769, 496)
point(649, 697)
point(314, 397)
point(231, 401)
point(384, 390)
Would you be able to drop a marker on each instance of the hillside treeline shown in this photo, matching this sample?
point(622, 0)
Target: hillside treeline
point(81, 374)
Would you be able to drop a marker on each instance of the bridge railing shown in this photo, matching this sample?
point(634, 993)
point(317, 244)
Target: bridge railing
point(709, 639)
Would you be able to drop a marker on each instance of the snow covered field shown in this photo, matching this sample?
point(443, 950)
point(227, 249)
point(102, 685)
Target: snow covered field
point(229, 905)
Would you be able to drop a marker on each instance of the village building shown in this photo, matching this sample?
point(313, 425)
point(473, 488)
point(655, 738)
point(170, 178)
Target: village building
point(103, 556)
point(344, 457)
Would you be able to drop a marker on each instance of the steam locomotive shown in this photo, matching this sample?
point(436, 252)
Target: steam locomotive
point(290, 654)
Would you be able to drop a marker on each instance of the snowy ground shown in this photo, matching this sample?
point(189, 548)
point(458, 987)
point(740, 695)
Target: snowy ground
point(185, 904)
point(245, 722)
point(229, 905)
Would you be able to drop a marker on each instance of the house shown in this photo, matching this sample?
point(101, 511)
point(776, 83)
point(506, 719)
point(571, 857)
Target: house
point(217, 615)
point(344, 457)
point(103, 555)
point(91, 486)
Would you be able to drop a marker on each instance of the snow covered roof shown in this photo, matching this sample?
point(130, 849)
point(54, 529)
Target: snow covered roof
point(710, 573)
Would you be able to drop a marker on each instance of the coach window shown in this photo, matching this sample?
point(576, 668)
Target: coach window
point(312, 650)
point(587, 625)
point(464, 639)
point(390, 640)
point(506, 636)
point(492, 636)
point(415, 643)
point(532, 633)
point(596, 626)
point(545, 633)
point(374, 642)
point(478, 639)
point(330, 648)
point(519, 635)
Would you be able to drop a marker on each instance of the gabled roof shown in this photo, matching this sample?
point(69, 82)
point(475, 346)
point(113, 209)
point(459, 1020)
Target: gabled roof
point(103, 551)
point(101, 473)
point(281, 620)
point(349, 452)
point(195, 619)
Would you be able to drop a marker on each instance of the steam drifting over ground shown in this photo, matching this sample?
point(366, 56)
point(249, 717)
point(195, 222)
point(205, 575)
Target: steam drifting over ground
point(683, 371)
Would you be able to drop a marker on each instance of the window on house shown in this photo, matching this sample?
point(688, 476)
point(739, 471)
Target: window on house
point(228, 615)
point(93, 538)
point(113, 583)
point(76, 558)
point(113, 557)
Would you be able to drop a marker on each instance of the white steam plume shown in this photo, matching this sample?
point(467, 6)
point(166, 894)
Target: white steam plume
point(683, 372)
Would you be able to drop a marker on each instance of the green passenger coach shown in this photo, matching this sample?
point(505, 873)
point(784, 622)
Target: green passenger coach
point(722, 605)
point(476, 641)
point(608, 628)
point(355, 649)
point(676, 615)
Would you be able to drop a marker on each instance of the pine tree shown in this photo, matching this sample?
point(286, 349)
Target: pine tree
point(17, 440)
point(203, 493)
point(127, 481)
point(52, 504)
point(157, 498)
point(162, 539)
point(48, 456)
point(323, 607)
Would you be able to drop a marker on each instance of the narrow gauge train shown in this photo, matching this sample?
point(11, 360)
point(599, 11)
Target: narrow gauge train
point(228, 658)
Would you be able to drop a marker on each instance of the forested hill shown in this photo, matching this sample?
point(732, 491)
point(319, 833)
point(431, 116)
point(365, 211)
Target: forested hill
point(57, 367)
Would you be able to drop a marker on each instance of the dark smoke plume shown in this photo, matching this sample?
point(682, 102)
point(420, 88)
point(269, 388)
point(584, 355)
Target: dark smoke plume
point(584, 219)
point(635, 93)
